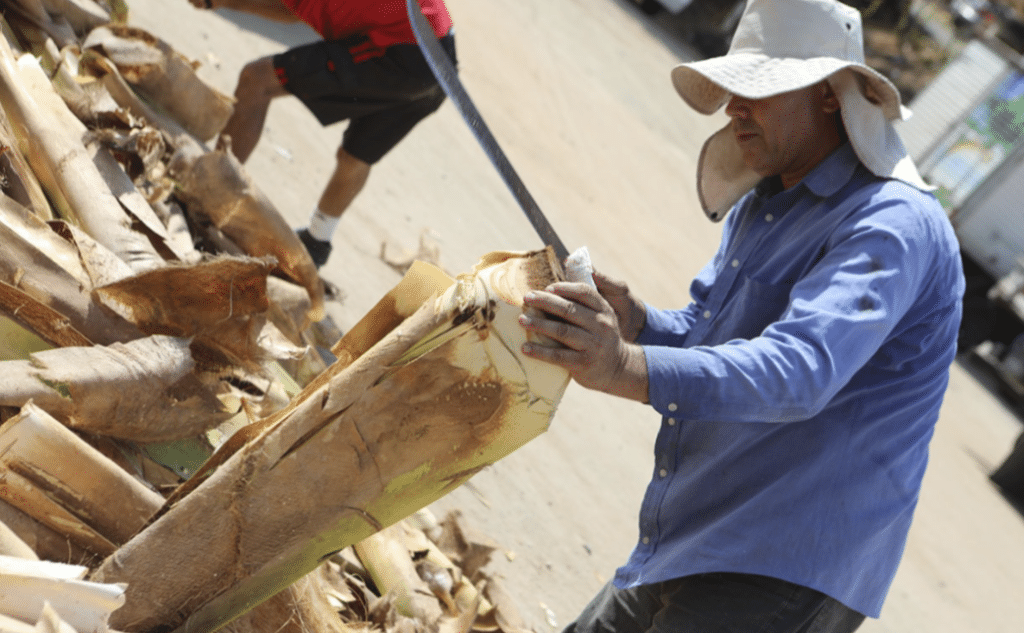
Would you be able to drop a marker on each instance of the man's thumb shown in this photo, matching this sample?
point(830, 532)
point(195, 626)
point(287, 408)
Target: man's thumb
point(610, 287)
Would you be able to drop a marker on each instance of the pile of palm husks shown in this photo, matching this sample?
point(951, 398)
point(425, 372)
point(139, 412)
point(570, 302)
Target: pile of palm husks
point(175, 452)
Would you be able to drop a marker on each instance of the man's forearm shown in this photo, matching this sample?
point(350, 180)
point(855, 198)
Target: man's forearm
point(270, 9)
point(632, 382)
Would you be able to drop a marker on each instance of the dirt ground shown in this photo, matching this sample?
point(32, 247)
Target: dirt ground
point(577, 93)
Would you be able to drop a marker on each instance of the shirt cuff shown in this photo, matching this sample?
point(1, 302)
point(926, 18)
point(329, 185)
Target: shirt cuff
point(664, 327)
point(673, 379)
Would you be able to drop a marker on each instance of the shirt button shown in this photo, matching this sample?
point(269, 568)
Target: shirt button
point(671, 421)
point(663, 473)
point(707, 314)
point(769, 217)
point(672, 406)
point(645, 540)
point(735, 263)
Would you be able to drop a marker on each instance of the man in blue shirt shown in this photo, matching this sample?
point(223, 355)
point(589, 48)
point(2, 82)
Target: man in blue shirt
point(800, 388)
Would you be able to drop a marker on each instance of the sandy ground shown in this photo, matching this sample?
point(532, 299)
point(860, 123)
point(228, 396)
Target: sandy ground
point(577, 92)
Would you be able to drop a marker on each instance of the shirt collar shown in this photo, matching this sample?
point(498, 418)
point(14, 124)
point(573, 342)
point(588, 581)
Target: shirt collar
point(833, 173)
point(827, 178)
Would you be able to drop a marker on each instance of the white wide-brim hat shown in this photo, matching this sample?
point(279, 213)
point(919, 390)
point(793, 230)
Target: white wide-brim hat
point(785, 45)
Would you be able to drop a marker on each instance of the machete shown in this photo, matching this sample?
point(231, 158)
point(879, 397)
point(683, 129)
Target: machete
point(448, 77)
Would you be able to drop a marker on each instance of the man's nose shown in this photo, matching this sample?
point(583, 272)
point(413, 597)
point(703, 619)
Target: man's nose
point(738, 107)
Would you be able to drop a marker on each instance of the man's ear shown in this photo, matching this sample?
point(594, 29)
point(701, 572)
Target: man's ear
point(830, 102)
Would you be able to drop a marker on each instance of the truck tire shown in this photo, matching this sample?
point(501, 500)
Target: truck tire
point(649, 7)
point(976, 325)
point(1010, 475)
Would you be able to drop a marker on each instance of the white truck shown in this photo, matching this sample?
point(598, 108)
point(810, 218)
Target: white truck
point(967, 137)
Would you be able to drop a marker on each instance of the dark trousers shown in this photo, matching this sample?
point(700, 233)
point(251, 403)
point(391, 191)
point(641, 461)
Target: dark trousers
point(715, 603)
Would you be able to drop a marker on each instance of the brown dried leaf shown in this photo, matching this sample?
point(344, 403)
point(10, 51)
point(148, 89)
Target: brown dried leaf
point(469, 550)
point(506, 614)
point(461, 622)
point(428, 251)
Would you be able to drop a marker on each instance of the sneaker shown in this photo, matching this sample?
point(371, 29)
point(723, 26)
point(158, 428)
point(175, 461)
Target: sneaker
point(318, 250)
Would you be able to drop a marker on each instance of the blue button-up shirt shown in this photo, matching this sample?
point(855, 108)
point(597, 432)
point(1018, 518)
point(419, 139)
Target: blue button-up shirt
point(801, 387)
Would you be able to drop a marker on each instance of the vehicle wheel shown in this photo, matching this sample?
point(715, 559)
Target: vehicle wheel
point(1010, 475)
point(976, 322)
point(649, 7)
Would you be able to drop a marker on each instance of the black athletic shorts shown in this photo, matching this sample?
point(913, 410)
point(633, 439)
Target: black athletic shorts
point(384, 97)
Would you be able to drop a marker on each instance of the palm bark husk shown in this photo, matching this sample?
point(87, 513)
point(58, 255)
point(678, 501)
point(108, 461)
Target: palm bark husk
point(50, 325)
point(12, 545)
point(389, 562)
point(215, 186)
point(29, 586)
point(53, 140)
point(47, 272)
point(20, 182)
point(44, 541)
point(142, 149)
point(440, 396)
point(58, 479)
point(222, 303)
point(82, 15)
point(301, 608)
point(31, 15)
point(97, 65)
point(164, 77)
point(143, 390)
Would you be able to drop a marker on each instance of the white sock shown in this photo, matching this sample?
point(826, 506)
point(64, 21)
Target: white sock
point(322, 226)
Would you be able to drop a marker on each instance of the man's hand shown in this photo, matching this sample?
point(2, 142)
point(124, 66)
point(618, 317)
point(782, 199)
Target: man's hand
point(630, 311)
point(595, 352)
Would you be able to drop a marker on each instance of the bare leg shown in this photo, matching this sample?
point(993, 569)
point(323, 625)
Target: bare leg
point(257, 86)
point(350, 174)
point(346, 182)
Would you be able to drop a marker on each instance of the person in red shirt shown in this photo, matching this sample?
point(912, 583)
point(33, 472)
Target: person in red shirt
point(367, 69)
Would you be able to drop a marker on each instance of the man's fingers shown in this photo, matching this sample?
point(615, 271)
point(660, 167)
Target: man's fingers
point(578, 293)
point(561, 356)
point(559, 306)
point(565, 333)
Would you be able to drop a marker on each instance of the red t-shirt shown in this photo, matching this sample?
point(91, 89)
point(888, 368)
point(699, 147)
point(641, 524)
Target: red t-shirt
point(383, 22)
